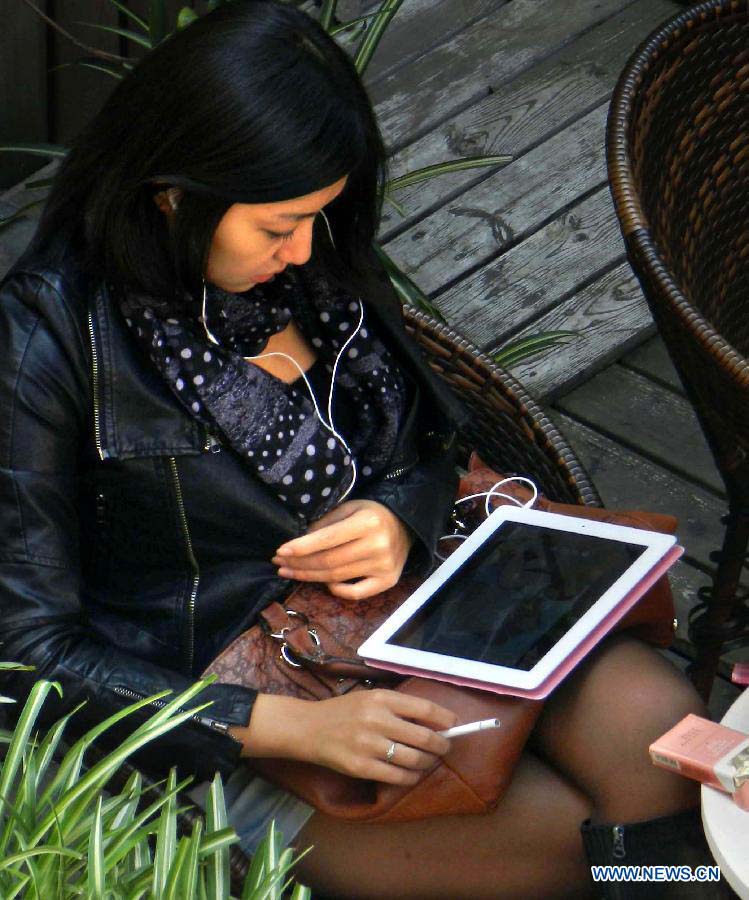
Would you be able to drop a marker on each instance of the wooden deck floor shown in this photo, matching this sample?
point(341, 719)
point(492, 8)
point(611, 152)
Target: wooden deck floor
point(534, 245)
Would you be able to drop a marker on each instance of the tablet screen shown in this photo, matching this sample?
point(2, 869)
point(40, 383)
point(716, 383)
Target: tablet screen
point(512, 600)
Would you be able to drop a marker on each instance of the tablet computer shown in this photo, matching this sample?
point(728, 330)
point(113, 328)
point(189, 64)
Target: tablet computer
point(521, 600)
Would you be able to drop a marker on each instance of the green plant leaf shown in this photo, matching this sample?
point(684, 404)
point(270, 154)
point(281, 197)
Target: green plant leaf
point(453, 165)
point(49, 745)
point(39, 183)
point(174, 876)
point(8, 861)
point(53, 151)
point(97, 65)
point(301, 892)
point(103, 770)
point(327, 13)
point(130, 14)
point(515, 351)
point(157, 21)
point(126, 33)
point(26, 721)
point(374, 33)
point(132, 791)
point(166, 838)
point(217, 868)
point(15, 667)
point(96, 857)
point(189, 878)
point(70, 766)
point(350, 23)
point(405, 288)
point(185, 17)
point(132, 836)
point(218, 839)
point(174, 706)
point(394, 203)
point(20, 885)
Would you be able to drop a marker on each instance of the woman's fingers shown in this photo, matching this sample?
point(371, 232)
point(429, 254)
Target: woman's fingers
point(337, 557)
point(345, 573)
point(355, 525)
point(377, 734)
point(360, 590)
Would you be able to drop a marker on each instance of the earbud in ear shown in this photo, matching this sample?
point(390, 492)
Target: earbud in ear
point(172, 195)
point(327, 223)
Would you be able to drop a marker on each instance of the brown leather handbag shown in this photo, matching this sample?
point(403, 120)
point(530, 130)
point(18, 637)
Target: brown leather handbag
point(306, 647)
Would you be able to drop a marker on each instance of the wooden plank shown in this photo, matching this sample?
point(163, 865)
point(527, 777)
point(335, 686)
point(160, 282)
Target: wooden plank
point(537, 274)
point(525, 112)
point(652, 359)
point(23, 88)
point(648, 418)
point(501, 211)
point(608, 316)
point(421, 25)
point(477, 61)
point(627, 480)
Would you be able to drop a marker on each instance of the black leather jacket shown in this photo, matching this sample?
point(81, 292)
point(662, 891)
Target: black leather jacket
point(134, 547)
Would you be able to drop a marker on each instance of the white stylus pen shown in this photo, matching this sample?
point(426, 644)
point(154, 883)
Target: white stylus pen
point(470, 728)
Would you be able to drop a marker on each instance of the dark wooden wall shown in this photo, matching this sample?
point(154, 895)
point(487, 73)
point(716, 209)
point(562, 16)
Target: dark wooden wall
point(39, 101)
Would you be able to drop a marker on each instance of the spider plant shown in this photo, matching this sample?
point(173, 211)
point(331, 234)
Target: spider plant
point(364, 33)
point(65, 833)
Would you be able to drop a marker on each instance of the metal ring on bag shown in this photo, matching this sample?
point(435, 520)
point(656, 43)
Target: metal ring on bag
point(280, 635)
point(285, 651)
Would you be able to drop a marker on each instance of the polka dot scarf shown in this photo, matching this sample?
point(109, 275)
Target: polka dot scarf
point(270, 424)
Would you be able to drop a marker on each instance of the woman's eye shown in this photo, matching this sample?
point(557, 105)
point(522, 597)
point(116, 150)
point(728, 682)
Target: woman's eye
point(283, 236)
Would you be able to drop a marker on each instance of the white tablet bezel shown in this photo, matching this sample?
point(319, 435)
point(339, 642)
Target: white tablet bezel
point(655, 546)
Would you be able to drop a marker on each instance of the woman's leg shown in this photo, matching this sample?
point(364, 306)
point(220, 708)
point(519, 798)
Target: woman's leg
point(596, 729)
point(529, 847)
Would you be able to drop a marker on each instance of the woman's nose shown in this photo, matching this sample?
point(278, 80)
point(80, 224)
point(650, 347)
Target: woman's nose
point(298, 250)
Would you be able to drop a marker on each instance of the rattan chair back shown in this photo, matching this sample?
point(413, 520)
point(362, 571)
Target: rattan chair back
point(678, 157)
point(508, 429)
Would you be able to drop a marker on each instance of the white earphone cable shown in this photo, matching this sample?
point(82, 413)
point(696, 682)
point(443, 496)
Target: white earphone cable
point(329, 425)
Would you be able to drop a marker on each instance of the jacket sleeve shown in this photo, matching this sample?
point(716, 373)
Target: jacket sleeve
point(422, 498)
point(45, 411)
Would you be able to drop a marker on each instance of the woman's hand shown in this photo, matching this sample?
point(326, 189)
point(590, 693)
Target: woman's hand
point(351, 734)
point(358, 539)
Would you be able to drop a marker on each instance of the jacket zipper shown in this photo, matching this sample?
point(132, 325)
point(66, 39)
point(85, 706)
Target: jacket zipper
point(95, 373)
point(396, 473)
point(221, 727)
point(618, 850)
point(193, 565)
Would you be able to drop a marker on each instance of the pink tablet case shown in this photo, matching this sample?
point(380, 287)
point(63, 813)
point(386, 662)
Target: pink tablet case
point(569, 663)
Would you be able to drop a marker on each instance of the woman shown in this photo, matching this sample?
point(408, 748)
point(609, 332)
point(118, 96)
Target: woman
point(166, 474)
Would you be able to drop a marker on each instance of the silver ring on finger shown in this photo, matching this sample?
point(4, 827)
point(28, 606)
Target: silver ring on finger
point(390, 753)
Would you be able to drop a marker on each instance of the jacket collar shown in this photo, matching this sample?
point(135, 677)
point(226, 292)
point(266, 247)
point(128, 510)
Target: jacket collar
point(136, 413)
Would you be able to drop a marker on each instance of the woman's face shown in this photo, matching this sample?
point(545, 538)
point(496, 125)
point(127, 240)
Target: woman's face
point(254, 241)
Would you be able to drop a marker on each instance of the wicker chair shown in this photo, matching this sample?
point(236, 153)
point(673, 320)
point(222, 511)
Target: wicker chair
point(678, 157)
point(508, 430)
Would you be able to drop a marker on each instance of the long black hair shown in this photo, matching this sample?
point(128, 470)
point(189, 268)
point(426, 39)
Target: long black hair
point(251, 103)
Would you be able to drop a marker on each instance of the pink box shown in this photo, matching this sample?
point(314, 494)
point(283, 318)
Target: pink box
point(708, 752)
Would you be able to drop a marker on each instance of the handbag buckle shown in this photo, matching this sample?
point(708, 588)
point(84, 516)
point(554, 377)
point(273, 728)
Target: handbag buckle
point(281, 635)
point(287, 654)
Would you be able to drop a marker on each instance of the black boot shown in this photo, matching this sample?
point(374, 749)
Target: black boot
point(671, 841)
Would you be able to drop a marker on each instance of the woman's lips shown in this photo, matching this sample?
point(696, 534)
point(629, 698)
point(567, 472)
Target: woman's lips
point(259, 278)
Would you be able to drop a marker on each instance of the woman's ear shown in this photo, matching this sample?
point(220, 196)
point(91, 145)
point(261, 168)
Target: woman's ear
point(168, 200)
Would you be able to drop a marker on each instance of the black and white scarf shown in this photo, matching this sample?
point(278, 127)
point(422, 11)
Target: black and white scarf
point(270, 424)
